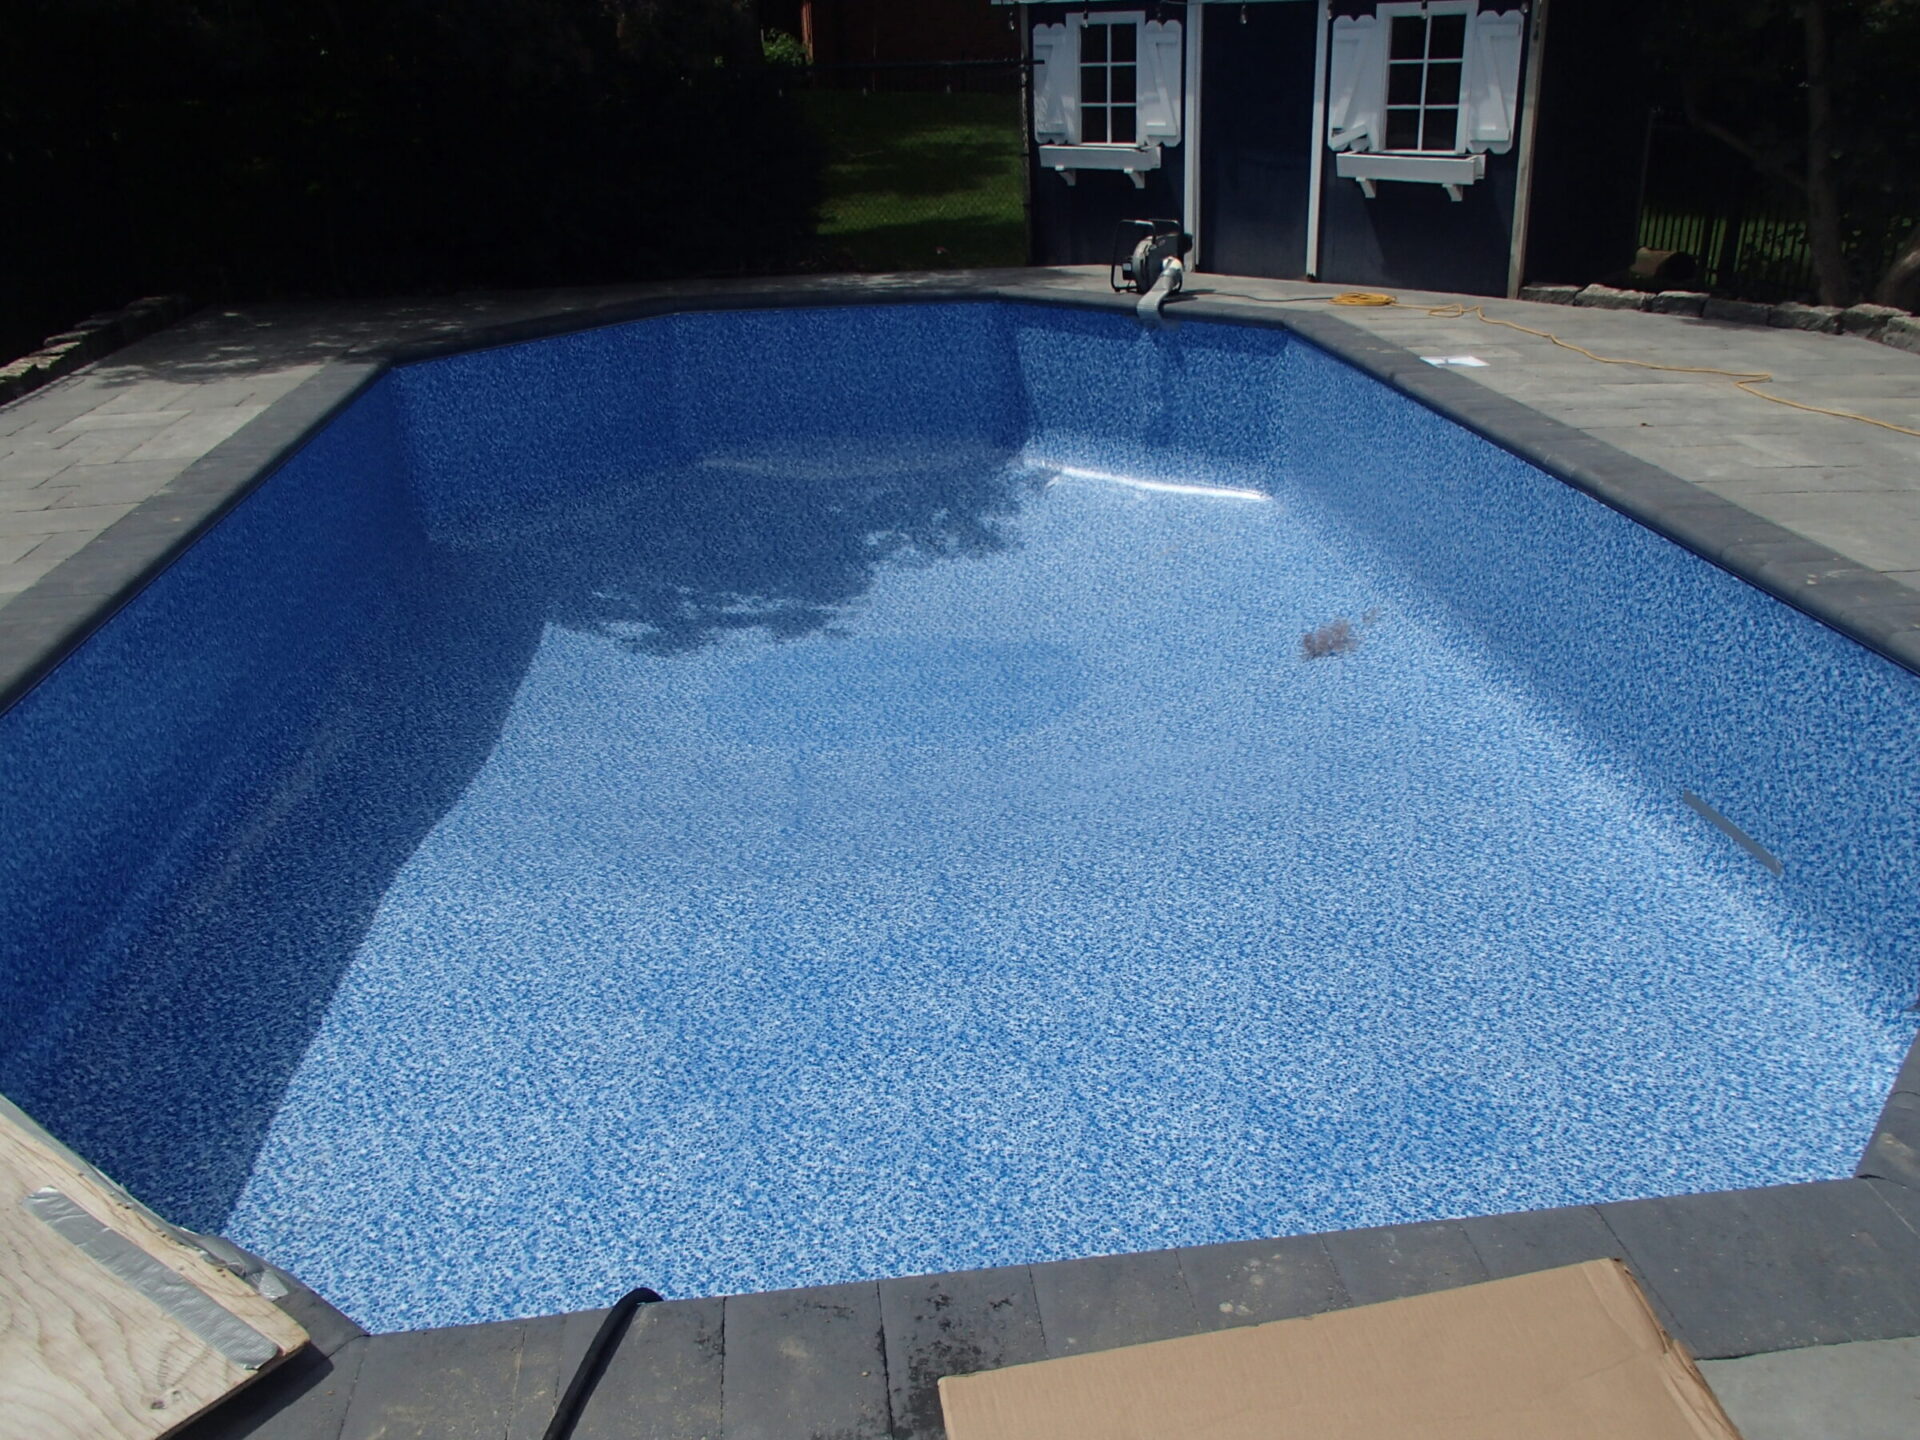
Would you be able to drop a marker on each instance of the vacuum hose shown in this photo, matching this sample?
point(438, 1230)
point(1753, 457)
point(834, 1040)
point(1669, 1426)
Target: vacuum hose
point(594, 1363)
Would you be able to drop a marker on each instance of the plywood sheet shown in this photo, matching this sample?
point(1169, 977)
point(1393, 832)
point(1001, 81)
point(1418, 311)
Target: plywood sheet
point(110, 1328)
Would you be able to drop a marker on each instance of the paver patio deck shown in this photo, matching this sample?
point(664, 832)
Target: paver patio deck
point(107, 472)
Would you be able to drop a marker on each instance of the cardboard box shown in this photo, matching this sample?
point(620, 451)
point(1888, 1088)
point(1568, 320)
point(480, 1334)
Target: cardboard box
point(1569, 1354)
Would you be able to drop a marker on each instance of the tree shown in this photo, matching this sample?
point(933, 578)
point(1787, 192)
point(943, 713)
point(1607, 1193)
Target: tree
point(244, 149)
point(1900, 284)
point(1822, 189)
point(1820, 97)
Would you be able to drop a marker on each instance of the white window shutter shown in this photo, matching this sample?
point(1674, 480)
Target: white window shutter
point(1493, 80)
point(1160, 82)
point(1056, 84)
point(1356, 82)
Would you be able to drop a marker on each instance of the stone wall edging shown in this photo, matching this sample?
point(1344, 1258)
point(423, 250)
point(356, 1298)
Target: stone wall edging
point(88, 340)
point(1884, 323)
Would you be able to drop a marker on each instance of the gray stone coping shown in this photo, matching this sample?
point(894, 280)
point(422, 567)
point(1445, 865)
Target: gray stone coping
point(1734, 1273)
point(1731, 1274)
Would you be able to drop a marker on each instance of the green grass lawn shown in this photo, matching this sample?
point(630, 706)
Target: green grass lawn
point(919, 182)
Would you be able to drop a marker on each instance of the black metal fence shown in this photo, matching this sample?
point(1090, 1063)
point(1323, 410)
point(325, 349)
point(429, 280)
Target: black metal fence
point(924, 164)
point(1747, 234)
point(1746, 231)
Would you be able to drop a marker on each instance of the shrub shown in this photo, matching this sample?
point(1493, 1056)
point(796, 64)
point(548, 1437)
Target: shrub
point(244, 149)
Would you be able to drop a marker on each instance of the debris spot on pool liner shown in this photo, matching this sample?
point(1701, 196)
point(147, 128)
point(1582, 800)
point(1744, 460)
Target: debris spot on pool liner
point(1339, 636)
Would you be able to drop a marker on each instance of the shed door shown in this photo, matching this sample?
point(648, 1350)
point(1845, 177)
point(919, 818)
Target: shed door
point(1256, 113)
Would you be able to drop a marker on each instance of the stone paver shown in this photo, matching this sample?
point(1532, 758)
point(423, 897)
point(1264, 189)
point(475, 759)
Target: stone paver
point(193, 434)
point(1869, 1390)
point(1878, 528)
point(68, 510)
point(106, 419)
point(44, 552)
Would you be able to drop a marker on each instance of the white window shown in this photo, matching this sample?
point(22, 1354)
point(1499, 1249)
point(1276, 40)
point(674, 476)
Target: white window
point(1423, 91)
point(1426, 53)
point(1109, 81)
point(1106, 92)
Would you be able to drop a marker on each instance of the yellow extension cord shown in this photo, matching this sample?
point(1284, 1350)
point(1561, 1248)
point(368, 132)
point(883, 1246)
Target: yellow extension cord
point(1742, 379)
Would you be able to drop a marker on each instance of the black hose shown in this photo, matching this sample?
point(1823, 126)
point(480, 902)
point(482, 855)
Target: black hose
point(594, 1363)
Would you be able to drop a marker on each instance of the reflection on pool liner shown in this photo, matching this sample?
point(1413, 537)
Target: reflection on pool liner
point(766, 798)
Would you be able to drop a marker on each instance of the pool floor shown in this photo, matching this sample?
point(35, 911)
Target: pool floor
point(1035, 895)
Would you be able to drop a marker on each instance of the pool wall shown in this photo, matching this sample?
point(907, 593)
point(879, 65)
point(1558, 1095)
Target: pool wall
point(1693, 679)
point(190, 708)
point(500, 434)
point(151, 736)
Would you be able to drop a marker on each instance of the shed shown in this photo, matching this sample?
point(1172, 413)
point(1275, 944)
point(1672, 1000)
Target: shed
point(1429, 144)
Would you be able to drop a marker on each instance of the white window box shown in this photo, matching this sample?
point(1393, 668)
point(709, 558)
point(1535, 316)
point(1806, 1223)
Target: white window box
point(1423, 92)
point(1135, 160)
point(1450, 171)
point(1106, 92)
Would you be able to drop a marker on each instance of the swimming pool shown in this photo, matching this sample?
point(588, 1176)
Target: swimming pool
point(766, 798)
